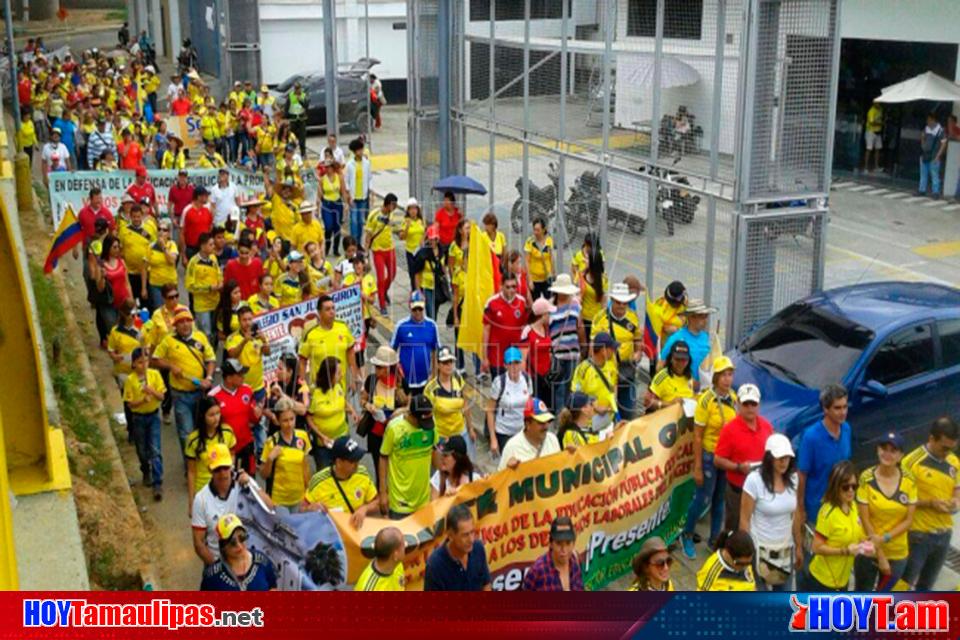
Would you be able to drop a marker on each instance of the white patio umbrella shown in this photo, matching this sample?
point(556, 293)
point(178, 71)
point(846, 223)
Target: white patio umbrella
point(926, 86)
point(674, 72)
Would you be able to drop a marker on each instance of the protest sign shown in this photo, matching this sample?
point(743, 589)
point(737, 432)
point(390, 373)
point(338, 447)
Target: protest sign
point(73, 187)
point(618, 492)
point(187, 128)
point(282, 328)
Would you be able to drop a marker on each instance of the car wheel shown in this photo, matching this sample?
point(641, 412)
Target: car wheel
point(363, 122)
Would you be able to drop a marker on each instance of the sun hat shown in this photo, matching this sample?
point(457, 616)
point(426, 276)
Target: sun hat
point(563, 284)
point(385, 357)
point(621, 293)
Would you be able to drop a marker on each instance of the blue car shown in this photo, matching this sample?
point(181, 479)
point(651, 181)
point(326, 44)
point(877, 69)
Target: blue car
point(894, 345)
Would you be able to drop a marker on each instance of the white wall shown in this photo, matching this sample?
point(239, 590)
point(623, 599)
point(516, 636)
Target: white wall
point(902, 20)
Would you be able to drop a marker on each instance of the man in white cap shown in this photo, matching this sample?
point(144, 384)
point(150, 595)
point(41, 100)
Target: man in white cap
point(740, 448)
point(55, 155)
point(566, 335)
point(624, 325)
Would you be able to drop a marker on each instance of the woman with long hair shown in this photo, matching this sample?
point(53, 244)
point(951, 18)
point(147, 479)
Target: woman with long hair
point(535, 345)
point(319, 270)
point(454, 470)
point(575, 421)
point(446, 393)
point(651, 566)
point(412, 233)
point(122, 340)
point(381, 397)
point(231, 296)
point(285, 464)
point(593, 286)
point(730, 567)
point(767, 507)
point(674, 382)
point(838, 536)
point(161, 264)
point(211, 430)
point(327, 415)
point(886, 499)
point(291, 386)
point(263, 299)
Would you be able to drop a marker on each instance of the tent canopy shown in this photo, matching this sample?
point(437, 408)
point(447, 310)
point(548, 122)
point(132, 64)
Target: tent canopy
point(674, 72)
point(926, 86)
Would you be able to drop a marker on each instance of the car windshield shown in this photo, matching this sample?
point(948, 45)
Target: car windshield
point(807, 345)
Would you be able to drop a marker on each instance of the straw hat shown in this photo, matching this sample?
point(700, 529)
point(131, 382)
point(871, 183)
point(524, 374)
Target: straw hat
point(385, 357)
point(563, 284)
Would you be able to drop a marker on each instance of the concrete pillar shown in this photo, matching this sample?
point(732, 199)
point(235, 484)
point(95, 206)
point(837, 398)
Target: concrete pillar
point(176, 37)
point(156, 27)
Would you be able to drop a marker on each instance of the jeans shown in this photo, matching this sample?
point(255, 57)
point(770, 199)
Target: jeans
point(627, 399)
point(185, 405)
point(154, 297)
point(928, 552)
point(930, 170)
point(332, 213)
point(373, 446)
point(561, 387)
point(358, 217)
point(867, 577)
point(259, 430)
point(411, 272)
point(146, 439)
point(431, 310)
point(106, 320)
point(711, 492)
point(204, 321)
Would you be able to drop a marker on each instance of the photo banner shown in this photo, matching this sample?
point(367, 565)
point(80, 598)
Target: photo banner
point(73, 187)
point(618, 492)
point(187, 128)
point(284, 327)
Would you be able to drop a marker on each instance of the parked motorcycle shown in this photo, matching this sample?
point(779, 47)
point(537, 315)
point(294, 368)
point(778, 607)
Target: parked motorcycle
point(582, 207)
point(543, 200)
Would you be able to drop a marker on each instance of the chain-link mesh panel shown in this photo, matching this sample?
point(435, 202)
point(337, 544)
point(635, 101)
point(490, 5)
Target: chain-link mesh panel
point(779, 263)
point(791, 91)
point(423, 96)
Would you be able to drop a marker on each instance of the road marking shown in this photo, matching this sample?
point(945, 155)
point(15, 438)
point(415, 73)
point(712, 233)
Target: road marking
point(913, 199)
point(896, 195)
point(861, 232)
point(893, 268)
point(861, 187)
point(952, 207)
point(842, 185)
point(939, 249)
point(934, 203)
point(877, 192)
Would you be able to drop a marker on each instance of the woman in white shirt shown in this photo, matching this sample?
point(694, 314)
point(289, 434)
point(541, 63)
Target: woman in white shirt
point(455, 469)
point(767, 507)
point(508, 399)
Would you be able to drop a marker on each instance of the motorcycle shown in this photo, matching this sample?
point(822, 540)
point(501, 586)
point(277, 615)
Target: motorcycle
point(582, 207)
point(543, 200)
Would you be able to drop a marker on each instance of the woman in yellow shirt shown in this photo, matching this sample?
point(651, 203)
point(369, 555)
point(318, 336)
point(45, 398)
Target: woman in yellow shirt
point(27, 136)
point(161, 264)
point(651, 566)
point(498, 241)
point(327, 415)
point(173, 157)
point(199, 443)
point(275, 265)
point(412, 233)
point(539, 255)
point(445, 392)
point(263, 299)
point(333, 194)
point(576, 420)
point(319, 270)
point(284, 460)
point(593, 288)
point(838, 537)
point(672, 383)
point(730, 568)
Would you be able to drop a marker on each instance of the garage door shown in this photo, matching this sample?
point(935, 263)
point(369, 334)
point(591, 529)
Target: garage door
point(290, 46)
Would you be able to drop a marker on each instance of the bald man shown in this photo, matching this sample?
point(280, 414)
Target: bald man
point(385, 571)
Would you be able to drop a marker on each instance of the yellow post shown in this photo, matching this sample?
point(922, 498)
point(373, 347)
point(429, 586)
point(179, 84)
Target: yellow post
point(8, 557)
point(23, 173)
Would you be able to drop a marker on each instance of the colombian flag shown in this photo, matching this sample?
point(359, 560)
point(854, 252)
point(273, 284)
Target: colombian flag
point(482, 281)
point(652, 328)
point(68, 236)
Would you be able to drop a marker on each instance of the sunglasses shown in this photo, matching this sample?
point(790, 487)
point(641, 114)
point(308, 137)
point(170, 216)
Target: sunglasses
point(850, 486)
point(664, 562)
point(238, 539)
point(173, 296)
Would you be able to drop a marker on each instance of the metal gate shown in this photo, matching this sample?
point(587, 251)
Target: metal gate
point(206, 32)
point(668, 127)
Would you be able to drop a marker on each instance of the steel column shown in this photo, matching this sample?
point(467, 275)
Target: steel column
point(330, 66)
point(653, 187)
point(525, 191)
point(12, 54)
point(444, 51)
point(610, 26)
point(563, 234)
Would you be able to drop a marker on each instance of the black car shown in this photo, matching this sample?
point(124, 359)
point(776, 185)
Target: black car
point(352, 90)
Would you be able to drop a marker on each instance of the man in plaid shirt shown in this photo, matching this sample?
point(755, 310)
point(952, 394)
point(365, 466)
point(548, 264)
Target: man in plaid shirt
point(558, 569)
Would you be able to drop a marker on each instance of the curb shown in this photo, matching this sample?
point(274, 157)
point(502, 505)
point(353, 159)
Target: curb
point(53, 33)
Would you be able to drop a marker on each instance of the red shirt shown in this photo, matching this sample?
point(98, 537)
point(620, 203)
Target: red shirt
point(180, 197)
point(236, 410)
point(447, 222)
point(246, 275)
point(140, 191)
point(538, 355)
point(254, 225)
point(117, 277)
point(506, 321)
point(180, 106)
point(24, 90)
point(196, 220)
point(131, 157)
point(88, 220)
point(739, 443)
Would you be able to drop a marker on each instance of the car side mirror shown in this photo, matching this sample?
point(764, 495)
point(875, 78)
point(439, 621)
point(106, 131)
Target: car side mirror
point(874, 389)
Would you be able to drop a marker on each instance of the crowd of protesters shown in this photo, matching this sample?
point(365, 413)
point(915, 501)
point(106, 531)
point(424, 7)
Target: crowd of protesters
point(176, 291)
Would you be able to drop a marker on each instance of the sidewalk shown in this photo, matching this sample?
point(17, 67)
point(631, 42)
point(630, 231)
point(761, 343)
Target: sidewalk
point(78, 21)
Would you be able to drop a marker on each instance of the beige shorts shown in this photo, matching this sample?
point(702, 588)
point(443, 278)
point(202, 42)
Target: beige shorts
point(872, 140)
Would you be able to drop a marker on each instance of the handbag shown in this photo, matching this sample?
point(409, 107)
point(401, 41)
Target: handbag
point(775, 564)
point(365, 425)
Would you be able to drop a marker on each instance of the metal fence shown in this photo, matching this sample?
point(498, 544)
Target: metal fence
point(664, 125)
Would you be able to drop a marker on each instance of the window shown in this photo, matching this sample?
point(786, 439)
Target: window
point(906, 354)
point(682, 19)
point(513, 10)
point(950, 342)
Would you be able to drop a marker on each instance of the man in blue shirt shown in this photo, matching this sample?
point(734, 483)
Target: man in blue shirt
point(416, 340)
point(822, 445)
point(695, 333)
point(460, 563)
point(68, 134)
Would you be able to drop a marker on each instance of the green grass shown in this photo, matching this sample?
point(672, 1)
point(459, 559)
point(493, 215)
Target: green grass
point(118, 15)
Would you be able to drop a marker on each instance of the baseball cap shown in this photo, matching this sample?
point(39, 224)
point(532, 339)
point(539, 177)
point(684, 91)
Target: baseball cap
point(778, 445)
point(219, 457)
point(749, 393)
point(445, 354)
point(295, 256)
point(183, 172)
point(454, 444)
point(512, 355)
point(894, 438)
point(537, 409)
point(680, 348)
point(578, 400)
point(604, 339)
point(722, 364)
point(412, 202)
point(232, 366)
point(561, 530)
point(675, 292)
point(347, 448)
point(227, 524)
point(433, 232)
point(417, 300)
point(422, 409)
point(542, 306)
point(141, 171)
point(182, 314)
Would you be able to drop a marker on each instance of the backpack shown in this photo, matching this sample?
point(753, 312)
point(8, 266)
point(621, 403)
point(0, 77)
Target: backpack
point(503, 387)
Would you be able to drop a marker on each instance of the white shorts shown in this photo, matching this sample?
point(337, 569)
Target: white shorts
point(872, 140)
